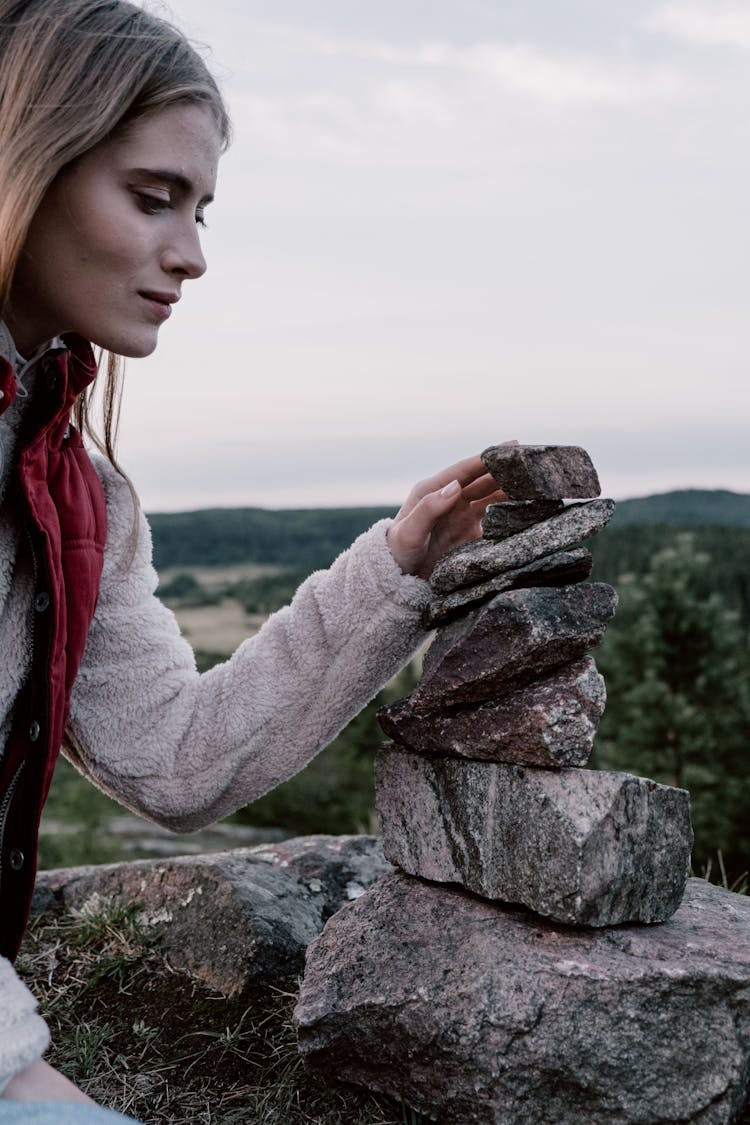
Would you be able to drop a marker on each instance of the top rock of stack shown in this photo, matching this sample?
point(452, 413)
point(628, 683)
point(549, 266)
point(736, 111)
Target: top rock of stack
point(536, 472)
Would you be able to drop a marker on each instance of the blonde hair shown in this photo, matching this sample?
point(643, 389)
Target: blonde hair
point(73, 73)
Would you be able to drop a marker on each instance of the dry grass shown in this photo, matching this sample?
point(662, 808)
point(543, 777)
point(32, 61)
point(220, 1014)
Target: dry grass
point(148, 1041)
point(216, 578)
point(217, 628)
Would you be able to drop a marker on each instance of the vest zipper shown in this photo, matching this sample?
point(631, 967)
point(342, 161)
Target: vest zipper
point(5, 806)
point(35, 573)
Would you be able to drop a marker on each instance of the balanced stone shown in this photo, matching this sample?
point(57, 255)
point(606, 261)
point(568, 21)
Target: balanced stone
point(515, 638)
point(562, 569)
point(478, 1014)
point(503, 520)
point(551, 722)
point(535, 472)
point(586, 847)
point(482, 559)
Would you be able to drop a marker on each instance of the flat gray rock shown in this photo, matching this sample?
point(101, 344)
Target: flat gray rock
point(551, 722)
point(503, 520)
point(477, 1014)
point(230, 919)
point(535, 472)
point(563, 569)
point(515, 638)
point(482, 559)
point(585, 847)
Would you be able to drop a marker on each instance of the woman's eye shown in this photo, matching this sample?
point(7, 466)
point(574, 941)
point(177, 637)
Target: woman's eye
point(152, 204)
point(200, 219)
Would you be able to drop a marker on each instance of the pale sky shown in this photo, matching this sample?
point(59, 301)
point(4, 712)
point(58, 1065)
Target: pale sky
point(445, 223)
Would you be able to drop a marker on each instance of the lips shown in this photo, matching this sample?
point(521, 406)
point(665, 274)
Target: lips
point(159, 302)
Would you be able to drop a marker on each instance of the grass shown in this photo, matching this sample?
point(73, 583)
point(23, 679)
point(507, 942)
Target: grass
point(145, 1040)
point(739, 884)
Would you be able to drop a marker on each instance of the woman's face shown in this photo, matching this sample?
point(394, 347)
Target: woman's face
point(117, 234)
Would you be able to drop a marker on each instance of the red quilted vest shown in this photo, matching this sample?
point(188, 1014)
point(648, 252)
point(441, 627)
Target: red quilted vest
point(63, 508)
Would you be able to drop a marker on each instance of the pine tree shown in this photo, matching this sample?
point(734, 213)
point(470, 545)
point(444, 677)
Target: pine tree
point(677, 669)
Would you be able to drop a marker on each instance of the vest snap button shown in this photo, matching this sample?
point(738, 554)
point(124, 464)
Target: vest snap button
point(16, 858)
point(34, 731)
point(41, 602)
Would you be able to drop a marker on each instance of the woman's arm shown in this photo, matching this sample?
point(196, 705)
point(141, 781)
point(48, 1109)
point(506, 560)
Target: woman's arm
point(23, 1033)
point(40, 1082)
point(185, 749)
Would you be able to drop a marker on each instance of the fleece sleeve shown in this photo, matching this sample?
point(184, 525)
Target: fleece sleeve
point(184, 749)
point(23, 1033)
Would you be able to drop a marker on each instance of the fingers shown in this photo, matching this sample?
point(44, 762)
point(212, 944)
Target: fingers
point(482, 489)
point(464, 472)
point(409, 536)
point(440, 512)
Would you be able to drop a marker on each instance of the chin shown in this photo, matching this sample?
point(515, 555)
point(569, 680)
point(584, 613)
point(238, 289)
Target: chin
point(127, 346)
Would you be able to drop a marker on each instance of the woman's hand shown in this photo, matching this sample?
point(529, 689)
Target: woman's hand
point(440, 513)
point(40, 1082)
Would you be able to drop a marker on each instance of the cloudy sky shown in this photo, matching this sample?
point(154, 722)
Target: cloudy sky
point(444, 223)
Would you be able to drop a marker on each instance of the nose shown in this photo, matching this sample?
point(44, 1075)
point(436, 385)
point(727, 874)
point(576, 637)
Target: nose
point(183, 257)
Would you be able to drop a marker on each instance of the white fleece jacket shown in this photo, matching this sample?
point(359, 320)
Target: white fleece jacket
point(183, 749)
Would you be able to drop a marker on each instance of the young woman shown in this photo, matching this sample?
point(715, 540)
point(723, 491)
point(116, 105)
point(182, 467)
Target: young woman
point(111, 129)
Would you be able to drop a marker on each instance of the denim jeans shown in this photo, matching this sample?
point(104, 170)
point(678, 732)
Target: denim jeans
point(58, 1113)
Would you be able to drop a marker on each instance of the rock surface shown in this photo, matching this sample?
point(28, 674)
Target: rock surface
point(503, 520)
point(482, 1015)
point(562, 569)
point(551, 722)
point(482, 559)
point(232, 918)
point(535, 472)
point(519, 635)
point(585, 847)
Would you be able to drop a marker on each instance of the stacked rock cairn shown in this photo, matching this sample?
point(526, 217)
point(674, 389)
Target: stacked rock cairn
point(484, 782)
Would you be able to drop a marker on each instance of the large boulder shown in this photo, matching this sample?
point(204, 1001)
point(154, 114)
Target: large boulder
point(231, 919)
point(477, 1014)
point(586, 847)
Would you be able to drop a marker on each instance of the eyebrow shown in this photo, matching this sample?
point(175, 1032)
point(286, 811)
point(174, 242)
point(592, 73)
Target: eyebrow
point(182, 183)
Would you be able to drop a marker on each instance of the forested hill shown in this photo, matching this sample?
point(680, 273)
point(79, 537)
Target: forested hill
point(689, 507)
point(312, 537)
point(305, 538)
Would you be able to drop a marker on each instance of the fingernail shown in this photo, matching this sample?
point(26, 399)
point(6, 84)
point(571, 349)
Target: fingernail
point(450, 489)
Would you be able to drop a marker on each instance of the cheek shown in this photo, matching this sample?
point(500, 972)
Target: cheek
point(114, 237)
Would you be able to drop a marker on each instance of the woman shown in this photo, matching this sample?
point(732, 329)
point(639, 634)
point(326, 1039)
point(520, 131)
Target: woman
point(110, 133)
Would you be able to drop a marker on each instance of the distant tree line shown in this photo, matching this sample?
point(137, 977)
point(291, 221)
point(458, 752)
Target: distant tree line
point(305, 539)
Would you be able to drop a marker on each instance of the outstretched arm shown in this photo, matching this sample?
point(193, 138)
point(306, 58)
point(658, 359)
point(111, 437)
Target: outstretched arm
point(185, 749)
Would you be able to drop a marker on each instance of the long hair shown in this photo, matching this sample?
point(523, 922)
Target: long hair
point(74, 73)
